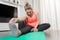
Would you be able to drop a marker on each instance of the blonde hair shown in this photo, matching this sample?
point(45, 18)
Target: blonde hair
point(27, 6)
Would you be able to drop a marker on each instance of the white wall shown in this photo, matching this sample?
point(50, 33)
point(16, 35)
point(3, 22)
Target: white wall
point(49, 11)
point(57, 7)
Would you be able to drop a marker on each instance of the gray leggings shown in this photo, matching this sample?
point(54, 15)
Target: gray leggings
point(25, 29)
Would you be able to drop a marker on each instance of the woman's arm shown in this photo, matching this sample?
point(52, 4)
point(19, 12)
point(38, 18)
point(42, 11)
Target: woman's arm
point(21, 19)
point(37, 15)
point(38, 21)
point(14, 20)
point(35, 28)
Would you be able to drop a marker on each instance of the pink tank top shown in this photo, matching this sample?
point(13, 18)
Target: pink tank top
point(32, 20)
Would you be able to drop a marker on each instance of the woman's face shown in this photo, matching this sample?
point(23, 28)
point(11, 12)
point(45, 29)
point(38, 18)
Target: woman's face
point(29, 12)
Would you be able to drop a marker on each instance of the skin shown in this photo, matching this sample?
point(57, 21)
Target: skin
point(29, 13)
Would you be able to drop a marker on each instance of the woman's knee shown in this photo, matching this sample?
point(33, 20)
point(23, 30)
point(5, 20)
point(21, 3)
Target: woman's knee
point(44, 25)
point(47, 25)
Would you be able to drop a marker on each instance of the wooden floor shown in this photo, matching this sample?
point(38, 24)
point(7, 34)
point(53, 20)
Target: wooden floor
point(50, 34)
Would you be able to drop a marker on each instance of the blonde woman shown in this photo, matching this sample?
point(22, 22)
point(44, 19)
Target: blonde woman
point(27, 23)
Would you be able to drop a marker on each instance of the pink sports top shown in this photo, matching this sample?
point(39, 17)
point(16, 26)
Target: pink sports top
point(32, 20)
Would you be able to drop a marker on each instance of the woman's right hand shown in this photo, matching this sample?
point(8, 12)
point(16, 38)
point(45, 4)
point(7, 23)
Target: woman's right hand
point(12, 21)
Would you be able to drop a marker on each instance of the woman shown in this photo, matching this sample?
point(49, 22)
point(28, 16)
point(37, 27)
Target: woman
point(29, 23)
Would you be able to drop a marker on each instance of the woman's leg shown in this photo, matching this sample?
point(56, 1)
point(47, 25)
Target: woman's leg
point(42, 27)
point(25, 30)
point(21, 24)
point(14, 30)
point(17, 32)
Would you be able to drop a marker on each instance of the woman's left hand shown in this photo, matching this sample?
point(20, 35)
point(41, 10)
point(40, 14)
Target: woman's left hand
point(35, 29)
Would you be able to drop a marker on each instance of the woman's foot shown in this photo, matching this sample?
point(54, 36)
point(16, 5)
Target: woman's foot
point(14, 30)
